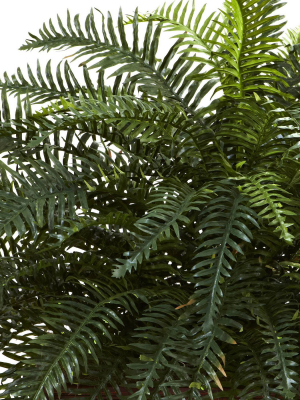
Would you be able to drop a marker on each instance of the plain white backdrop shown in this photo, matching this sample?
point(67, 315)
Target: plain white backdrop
point(18, 17)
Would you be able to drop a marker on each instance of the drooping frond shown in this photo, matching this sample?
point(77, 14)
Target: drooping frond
point(38, 90)
point(100, 379)
point(265, 193)
point(264, 130)
point(141, 65)
point(218, 247)
point(163, 339)
point(172, 202)
point(252, 371)
point(63, 343)
point(145, 179)
point(24, 208)
point(277, 328)
point(132, 118)
point(156, 335)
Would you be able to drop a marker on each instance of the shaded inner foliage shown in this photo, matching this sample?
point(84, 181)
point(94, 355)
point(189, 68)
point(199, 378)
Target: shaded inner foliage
point(150, 229)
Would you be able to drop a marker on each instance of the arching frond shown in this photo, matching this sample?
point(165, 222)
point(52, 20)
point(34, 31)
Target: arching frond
point(149, 181)
point(277, 329)
point(244, 45)
point(221, 230)
point(75, 332)
point(154, 350)
point(252, 373)
point(25, 207)
point(264, 131)
point(265, 193)
point(172, 202)
point(195, 32)
point(152, 78)
point(38, 90)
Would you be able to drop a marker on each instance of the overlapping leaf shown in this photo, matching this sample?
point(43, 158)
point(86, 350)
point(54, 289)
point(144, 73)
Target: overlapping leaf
point(172, 202)
point(265, 193)
point(75, 329)
point(147, 174)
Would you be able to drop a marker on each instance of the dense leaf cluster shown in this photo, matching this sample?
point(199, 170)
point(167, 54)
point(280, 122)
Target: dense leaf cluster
point(150, 229)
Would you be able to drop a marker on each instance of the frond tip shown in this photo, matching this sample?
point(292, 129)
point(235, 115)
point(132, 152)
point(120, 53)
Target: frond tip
point(293, 36)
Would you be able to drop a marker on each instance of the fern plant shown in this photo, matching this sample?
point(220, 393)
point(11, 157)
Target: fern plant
point(150, 228)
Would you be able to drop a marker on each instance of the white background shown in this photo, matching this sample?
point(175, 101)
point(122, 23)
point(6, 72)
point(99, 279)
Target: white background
point(18, 17)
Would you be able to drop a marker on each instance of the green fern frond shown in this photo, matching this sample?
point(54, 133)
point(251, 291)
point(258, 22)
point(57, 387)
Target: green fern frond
point(75, 333)
point(153, 348)
point(263, 134)
point(265, 193)
point(26, 208)
point(277, 328)
point(100, 378)
point(37, 89)
point(172, 202)
point(147, 173)
point(293, 36)
point(131, 117)
point(244, 49)
point(252, 371)
point(194, 33)
point(221, 230)
point(151, 78)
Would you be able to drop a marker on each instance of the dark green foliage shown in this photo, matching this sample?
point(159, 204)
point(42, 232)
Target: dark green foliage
point(149, 233)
